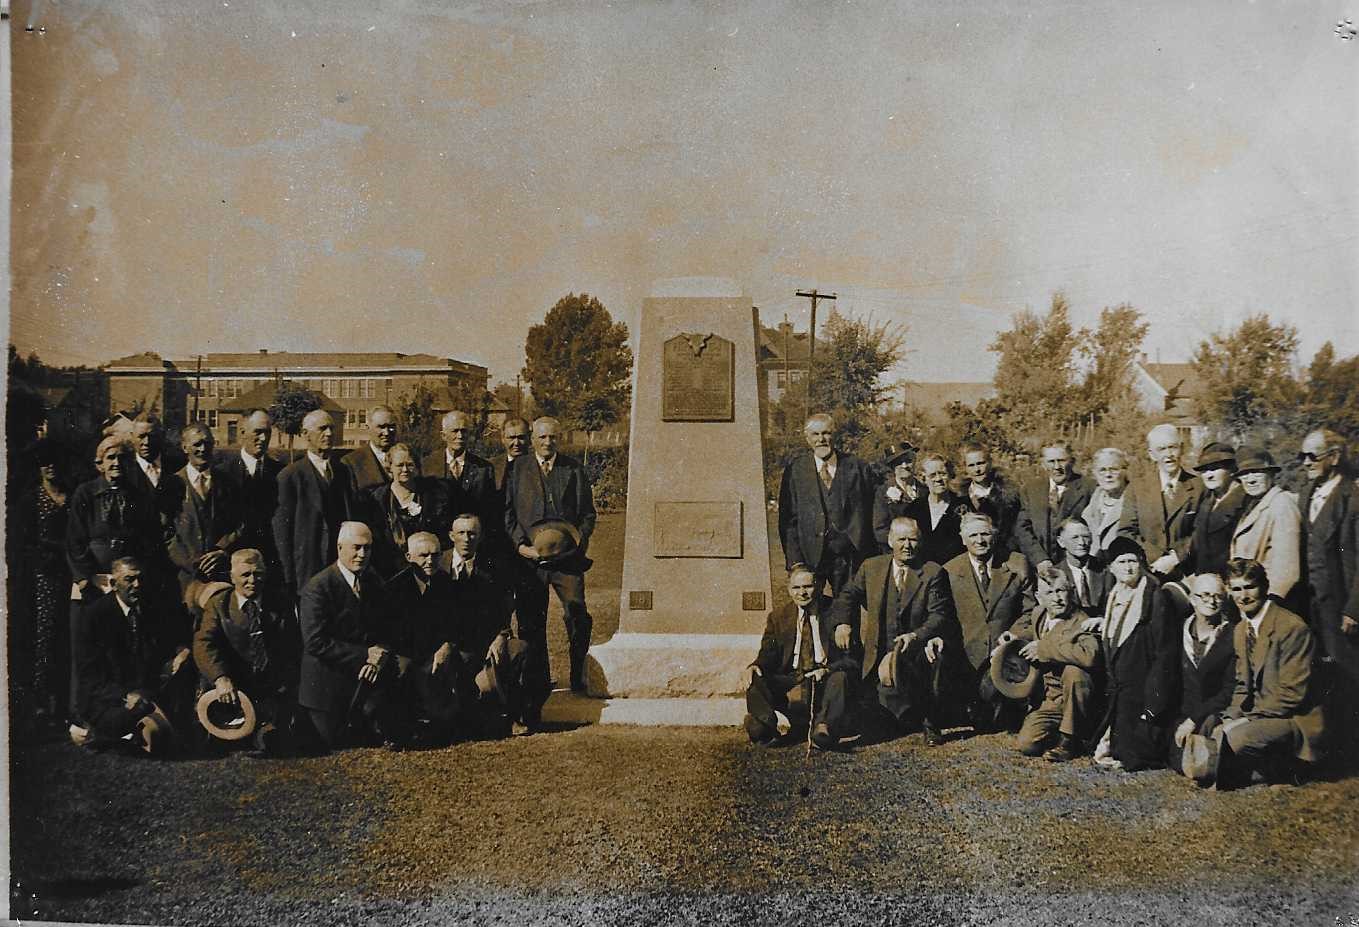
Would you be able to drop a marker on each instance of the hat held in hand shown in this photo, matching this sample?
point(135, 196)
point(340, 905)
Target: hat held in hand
point(1012, 674)
point(224, 720)
point(555, 541)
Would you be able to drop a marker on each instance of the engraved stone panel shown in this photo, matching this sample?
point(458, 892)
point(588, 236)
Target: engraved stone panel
point(698, 529)
point(640, 600)
point(698, 379)
point(752, 601)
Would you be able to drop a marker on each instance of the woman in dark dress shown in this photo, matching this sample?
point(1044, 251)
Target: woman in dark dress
point(893, 498)
point(408, 505)
point(938, 513)
point(42, 523)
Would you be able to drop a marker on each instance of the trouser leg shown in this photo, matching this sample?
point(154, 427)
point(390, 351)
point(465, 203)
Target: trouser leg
point(570, 589)
point(531, 612)
point(1040, 727)
point(761, 703)
point(1077, 700)
point(832, 703)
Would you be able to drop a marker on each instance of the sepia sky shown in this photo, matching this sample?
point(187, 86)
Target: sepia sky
point(223, 175)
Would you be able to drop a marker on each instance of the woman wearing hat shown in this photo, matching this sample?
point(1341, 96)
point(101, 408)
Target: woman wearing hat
point(1111, 511)
point(938, 511)
point(1219, 508)
point(1140, 656)
point(41, 519)
point(1270, 530)
point(894, 497)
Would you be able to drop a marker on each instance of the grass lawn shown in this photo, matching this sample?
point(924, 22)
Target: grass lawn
point(649, 825)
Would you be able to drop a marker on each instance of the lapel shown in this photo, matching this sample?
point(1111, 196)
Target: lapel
point(1248, 520)
point(1070, 501)
point(1001, 578)
point(1221, 515)
point(1331, 515)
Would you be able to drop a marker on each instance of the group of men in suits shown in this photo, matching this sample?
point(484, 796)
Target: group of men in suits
point(337, 596)
point(928, 582)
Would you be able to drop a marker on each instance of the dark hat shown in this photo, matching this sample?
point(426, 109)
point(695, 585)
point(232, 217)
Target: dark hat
point(488, 680)
point(896, 453)
point(1123, 545)
point(1013, 675)
point(1200, 758)
point(154, 732)
point(225, 721)
point(1250, 459)
point(1217, 455)
point(554, 540)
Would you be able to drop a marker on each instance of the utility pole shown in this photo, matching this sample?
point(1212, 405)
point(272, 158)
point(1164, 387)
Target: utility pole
point(813, 295)
point(197, 387)
point(518, 397)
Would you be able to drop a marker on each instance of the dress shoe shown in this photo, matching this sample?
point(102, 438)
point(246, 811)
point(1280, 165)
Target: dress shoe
point(520, 729)
point(933, 736)
point(821, 737)
point(1067, 749)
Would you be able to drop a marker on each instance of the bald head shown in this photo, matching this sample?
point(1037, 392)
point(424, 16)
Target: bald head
point(546, 432)
point(457, 432)
point(355, 543)
point(319, 430)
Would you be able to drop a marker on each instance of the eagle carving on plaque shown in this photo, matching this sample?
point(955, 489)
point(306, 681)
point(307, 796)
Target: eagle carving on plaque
point(697, 342)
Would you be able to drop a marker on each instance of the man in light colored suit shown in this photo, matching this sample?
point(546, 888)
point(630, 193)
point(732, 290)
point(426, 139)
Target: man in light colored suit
point(826, 508)
point(990, 591)
point(898, 611)
point(369, 464)
point(1270, 529)
point(1273, 719)
point(1165, 502)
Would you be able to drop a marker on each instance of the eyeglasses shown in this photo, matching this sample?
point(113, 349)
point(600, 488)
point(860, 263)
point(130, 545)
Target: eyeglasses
point(1309, 457)
point(1210, 596)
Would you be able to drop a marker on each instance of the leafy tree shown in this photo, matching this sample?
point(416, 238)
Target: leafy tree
point(1332, 393)
point(1036, 376)
point(1111, 350)
point(1247, 375)
point(291, 405)
point(578, 359)
point(417, 424)
point(847, 375)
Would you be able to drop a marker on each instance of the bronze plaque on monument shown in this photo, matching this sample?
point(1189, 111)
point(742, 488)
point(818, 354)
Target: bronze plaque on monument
point(698, 379)
point(698, 529)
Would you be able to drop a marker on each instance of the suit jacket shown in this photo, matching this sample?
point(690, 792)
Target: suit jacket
point(1271, 532)
point(1206, 687)
point(421, 622)
point(500, 466)
point(392, 525)
point(870, 605)
point(1274, 678)
point(1001, 505)
point(97, 534)
point(1142, 676)
point(367, 472)
point(564, 493)
point(337, 630)
point(1331, 556)
point(257, 497)
point(1211, 542)
point(885, 508)
point(1099, 581)
point(479, 483)
point(779, 640)
point(255, 656)
point(807, 511)
point(1105, 527)
point(1036, 529)
point(944, 541)
point(1009, 595)
point(111, 662)
point(201, 525)
point(162, 497)
point(1063, 644)
point(308, 517)
point(1166, 522)
point(482, 604)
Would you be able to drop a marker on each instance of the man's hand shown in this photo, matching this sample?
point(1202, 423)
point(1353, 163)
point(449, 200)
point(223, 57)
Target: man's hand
point(528, 553)
point(226, 690)
point(1349, 626)
point(499, 649)
point(816, 675)
point(1183, 731)
point(1166, 562)
point(748, 676)
point(133, 701)
point(1043, 566)
point(887, 669)
point(1094, 623)
point(376, 654)
point(1029, 651)
point(903, 642)
point(368, 673)
point(210, 562)
point(181, 657)
point(933, 647)
point(440, 657)
point(842, 636)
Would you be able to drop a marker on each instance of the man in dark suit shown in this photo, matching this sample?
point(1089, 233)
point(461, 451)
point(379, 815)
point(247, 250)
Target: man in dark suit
point(939, 511)
point(471, 478)
point(1090, 581)
point(1219, 508)
point(1207, 671)
point(207, 525)
point(368, 464)
point(515, 434)
point(252, 476)
point(246, 644)
point(906, 632)
point(1166, 502)
point(423, 624)
point(130, 666)
point(1045, 504)
point(990, 591)
point(988, 492)
point(546, 485)
point(798, 652)
point(345, 619)
point(153, 464)
point(314, 497)
point(1330, 543)
point(826, 508)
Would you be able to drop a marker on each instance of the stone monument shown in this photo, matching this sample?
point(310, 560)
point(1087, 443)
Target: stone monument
point(696, 584)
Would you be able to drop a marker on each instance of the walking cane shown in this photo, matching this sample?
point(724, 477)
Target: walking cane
point(807, 760)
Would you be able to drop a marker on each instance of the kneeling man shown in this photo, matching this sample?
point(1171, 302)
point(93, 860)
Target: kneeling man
point(247, 644)
point(908, 631)
point(799, 654)
point(1067, 655)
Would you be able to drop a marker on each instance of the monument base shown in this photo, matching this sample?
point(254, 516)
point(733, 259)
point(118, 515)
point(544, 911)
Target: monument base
point(673, 666)
point(566, 707)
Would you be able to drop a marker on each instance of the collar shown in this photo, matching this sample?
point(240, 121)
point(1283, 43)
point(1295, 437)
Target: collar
point(240, 601)
point(979, 491)
point(1325, 489)
point(320, 463)
point(456, 562)
point(449, 456)
point(1259, 617)
point(1060, 487)
point(977, 565)
point(194, 472)
point(348, 576)
point(421, 580)
point(830, 462)
point(145, 464)
point(544, 461)
point(1208, 642)
point(1171, 480)
point(403, 495)
point(380, 454)
point(121, 604)
point(250, 460)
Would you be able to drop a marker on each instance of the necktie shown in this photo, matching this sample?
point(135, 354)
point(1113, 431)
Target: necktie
point(1054, 496)
point(1314, 508)
point(547, 465)
point(358, 589)
point(1250, 637)
point(899, 577)
point(1082, 578)
point(153, 474)
point(825, 476)
point(134, 620)
point(457, 468)
point(806, 656)
point(984, 578)
point(204, 485)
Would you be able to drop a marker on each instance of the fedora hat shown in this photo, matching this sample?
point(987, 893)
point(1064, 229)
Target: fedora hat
point(488, 682)
point(154, 732)
point(1200, 758)
point(224, 721)
point(1216, 456)
point(1250, 459)
point(554, 540)
point(1013, 675)
point(896, 453)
